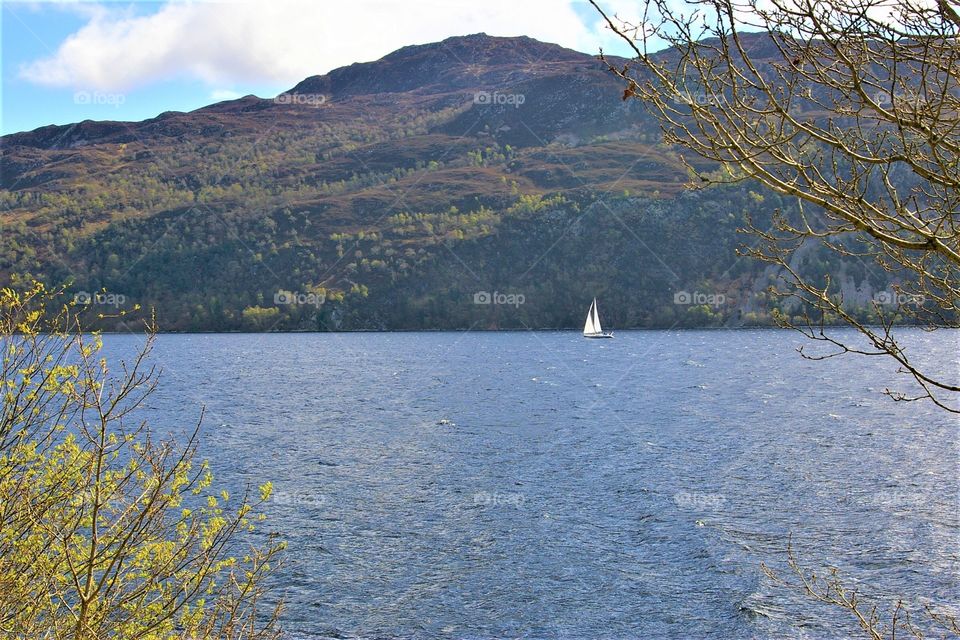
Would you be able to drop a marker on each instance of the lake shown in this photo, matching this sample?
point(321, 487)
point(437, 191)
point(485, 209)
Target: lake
point(539, 485)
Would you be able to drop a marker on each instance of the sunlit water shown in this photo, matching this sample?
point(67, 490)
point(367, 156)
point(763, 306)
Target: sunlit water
point(539, 485)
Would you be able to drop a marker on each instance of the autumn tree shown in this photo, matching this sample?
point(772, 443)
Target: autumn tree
point(105, 530)
point(851, 107)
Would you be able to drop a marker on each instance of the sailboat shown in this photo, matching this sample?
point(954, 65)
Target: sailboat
point(591, 328)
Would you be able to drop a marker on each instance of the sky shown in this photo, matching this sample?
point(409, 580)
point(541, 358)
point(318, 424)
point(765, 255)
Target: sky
point(65, 61)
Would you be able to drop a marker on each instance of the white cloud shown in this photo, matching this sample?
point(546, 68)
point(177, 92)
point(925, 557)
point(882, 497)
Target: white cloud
point(283, 41)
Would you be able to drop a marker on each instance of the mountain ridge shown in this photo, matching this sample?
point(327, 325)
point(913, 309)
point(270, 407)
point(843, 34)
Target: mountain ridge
point(451, 52)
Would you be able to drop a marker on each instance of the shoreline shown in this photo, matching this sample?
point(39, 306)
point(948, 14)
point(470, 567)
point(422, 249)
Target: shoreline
point(838, 327)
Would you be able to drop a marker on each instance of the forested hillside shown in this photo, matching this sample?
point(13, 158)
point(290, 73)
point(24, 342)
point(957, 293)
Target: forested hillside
point(479, 182)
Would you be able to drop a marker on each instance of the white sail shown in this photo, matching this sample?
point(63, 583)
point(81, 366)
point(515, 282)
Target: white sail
point(592, 325)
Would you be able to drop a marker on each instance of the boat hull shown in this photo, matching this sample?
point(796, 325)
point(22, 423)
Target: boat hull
point(596, 336)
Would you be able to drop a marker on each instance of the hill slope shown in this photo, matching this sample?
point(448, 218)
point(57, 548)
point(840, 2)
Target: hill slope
point(385, 195)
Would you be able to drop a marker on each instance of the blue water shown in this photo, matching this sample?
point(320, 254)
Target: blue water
point(539, 485)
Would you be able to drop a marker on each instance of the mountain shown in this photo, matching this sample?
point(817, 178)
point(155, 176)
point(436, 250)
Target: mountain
point(392, 195)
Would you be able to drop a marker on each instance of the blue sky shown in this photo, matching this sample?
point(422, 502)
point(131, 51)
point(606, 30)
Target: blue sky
point(66, 61)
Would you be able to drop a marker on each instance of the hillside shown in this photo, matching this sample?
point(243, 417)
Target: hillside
point(385, 195)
